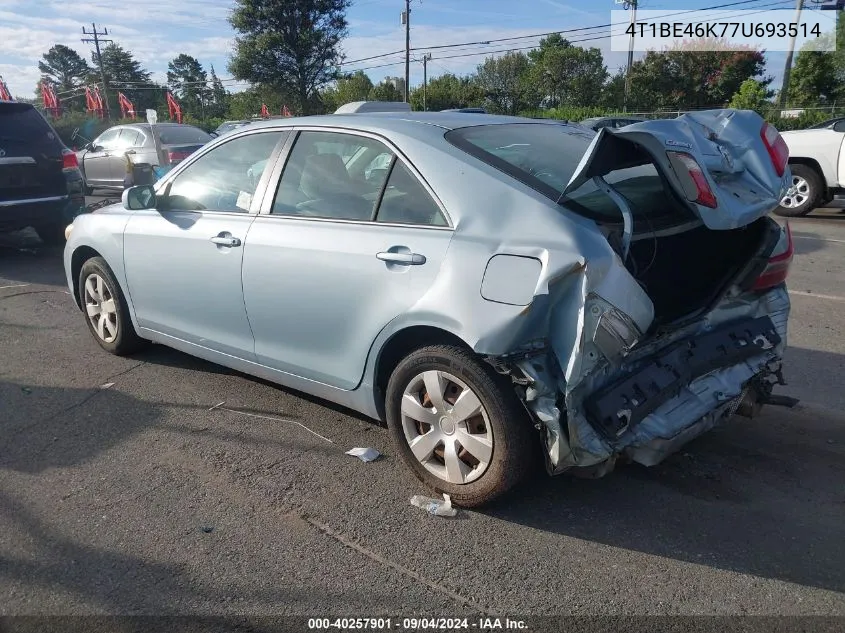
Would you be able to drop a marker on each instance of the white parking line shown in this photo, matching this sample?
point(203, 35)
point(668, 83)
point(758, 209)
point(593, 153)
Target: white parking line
point(14, 286)
point(817, 239)
point(804, 293)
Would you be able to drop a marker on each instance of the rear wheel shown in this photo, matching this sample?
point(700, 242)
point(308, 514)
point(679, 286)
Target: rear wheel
point(804, 194)
point(458, 425)
point(105, 309)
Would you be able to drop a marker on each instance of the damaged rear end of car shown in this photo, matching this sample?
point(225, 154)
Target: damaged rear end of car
point(685, 324)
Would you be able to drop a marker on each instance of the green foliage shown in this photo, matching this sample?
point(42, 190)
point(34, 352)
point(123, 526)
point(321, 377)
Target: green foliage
point(187, 80)
point(447, 91)
point(65, 70)
point(125, 74)
point(802, 121)
point(290, 45)
point(356, 86)
point(88, 128)
point(386, 91)
point(752, 95)
point(503, 82)
point(218, 103)
point(563, 74)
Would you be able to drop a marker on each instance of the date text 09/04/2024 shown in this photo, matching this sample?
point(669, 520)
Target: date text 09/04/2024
point(417, 624)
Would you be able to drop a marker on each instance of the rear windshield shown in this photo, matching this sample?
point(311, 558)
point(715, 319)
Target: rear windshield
point(22, 127)
point(182, 135)
point(545, 157)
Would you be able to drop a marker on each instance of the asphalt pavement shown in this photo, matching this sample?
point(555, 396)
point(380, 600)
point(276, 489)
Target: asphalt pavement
point(126, 487)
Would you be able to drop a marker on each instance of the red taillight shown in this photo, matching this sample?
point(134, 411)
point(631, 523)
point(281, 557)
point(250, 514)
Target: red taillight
point(776, 146)
point(69, 160)
point(177, 156)
point(778, 267)
point(704, 194)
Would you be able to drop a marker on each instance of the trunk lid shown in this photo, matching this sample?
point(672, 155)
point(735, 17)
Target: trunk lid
point(727, 145)
point(31, 160)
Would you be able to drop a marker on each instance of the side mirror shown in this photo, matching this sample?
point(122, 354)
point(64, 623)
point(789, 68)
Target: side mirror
point(839, 126)
point(140, 197)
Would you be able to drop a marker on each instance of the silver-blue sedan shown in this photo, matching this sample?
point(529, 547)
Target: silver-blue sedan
point(500, 290)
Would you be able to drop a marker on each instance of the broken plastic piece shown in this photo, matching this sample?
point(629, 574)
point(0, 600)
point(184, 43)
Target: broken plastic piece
point(435, 507)
point(106, 385)
point(364, 454)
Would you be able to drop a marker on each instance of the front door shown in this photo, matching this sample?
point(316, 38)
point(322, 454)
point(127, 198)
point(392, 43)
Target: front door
point(340, 254)
point(97, 162)
point(183, 260)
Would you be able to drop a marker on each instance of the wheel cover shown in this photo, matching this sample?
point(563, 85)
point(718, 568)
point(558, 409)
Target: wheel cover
point(100, 308)
point(797, 195)
point(447, 427)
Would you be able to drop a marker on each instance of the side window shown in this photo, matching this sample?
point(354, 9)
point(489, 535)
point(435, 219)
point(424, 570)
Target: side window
point(108, 139)
point(406, 201)
point(225, 178)
point(316, 182)
point(129, 138)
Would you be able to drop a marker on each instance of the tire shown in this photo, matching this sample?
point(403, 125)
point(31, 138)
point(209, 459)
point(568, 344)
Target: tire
point(52, 234)
point(807, 191)
point(501, 424)
point(119, 339)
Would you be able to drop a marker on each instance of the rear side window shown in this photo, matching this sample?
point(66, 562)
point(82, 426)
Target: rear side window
point(406, 201)
point(545, 157)
point(22, 125)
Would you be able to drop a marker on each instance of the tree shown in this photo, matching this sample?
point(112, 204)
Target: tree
point(386, 91)
point(353, 87)
point(563, 74)
point(447, 91)
point(752, 95)
point(124, 73)
point(503, 82)
point(66, 70)
point(188, 81)
point(292, 45)
point(218, 103)
point(687, 76)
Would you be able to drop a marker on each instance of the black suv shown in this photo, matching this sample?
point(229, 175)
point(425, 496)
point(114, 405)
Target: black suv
point(40, 182)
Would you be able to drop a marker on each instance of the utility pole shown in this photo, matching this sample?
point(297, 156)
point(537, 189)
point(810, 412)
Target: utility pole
point(787, 67)
point(426, 57)
point(406, 20)
point(96, 38)
point(630, 5)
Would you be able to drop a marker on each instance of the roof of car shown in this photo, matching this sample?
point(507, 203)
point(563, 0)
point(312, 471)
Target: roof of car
point(402, 121)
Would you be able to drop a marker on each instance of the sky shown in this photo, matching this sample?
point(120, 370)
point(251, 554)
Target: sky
point(158, 30)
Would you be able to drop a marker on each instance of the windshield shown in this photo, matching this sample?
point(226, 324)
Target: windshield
point(182, 135)
point(545, 158)
point(22, 129)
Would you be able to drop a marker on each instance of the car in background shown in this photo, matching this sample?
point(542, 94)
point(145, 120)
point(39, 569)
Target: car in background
point(500, 290)
point(103, 161)
point(597, 123)
point(228, 126)
point(826, 125)
point(818, 168)
point(41, 185)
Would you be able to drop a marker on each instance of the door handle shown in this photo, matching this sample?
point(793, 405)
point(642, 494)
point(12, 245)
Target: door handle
point(226, 241)
point(409, 259)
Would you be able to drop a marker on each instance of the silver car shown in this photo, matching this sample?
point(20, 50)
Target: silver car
point(500, 290)
point(103, 161)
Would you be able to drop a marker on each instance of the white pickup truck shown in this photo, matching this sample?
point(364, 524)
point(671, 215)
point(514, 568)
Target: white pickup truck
point(818, 167)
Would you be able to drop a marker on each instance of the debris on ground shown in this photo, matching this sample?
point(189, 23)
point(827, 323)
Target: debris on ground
point(364, 454)
point(435, 507)
point(208, 529)
point(106, 385)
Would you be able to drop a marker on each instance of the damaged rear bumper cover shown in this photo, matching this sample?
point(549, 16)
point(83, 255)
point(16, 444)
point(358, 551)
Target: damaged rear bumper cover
point(653, 402)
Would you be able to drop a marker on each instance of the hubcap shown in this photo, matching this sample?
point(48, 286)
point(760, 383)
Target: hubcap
point(797, 194)
point(99, 305)
point(446, 427)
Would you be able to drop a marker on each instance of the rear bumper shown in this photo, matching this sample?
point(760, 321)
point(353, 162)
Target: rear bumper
point(44, 210)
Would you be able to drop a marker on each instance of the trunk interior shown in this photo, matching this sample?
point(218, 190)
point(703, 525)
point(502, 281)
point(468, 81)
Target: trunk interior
point(684, 272)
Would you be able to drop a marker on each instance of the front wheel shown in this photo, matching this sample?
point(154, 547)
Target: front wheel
point(458, 425)
point(105, 309)
point(805, 193)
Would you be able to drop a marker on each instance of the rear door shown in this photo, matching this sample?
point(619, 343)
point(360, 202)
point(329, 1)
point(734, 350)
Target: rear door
point(30, 155)
point(721, 152)
point(323, 274)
